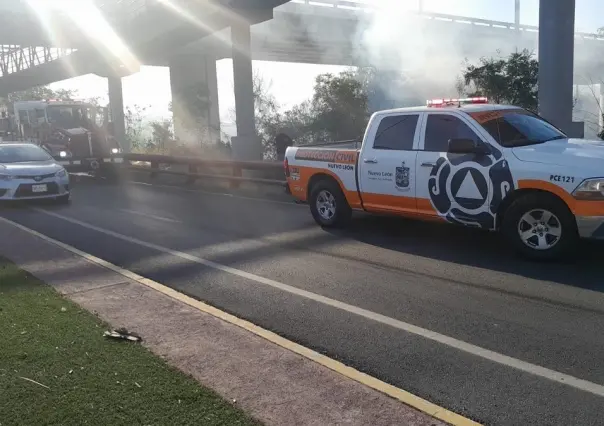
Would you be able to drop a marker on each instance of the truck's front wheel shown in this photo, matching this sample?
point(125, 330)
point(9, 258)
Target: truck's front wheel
point(540, 227)
point(328, 204)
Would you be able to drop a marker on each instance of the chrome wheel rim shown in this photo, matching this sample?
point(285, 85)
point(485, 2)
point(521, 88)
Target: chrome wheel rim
point(326, 205)
point(540, 229)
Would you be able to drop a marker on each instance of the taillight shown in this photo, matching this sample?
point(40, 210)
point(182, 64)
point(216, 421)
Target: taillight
point(286, 167)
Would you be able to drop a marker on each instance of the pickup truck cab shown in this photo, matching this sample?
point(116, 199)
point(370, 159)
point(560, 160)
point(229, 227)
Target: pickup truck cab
point(465, 162)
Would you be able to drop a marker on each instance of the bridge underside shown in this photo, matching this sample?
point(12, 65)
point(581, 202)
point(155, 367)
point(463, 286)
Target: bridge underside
point(164, 28)
point(316, 40)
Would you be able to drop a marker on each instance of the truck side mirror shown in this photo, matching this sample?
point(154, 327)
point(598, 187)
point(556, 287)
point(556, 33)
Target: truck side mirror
point(467, 146)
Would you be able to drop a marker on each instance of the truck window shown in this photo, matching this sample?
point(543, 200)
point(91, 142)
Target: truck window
point(23, 116)
point(442, 127)
point(396, 132)
point(520, 128)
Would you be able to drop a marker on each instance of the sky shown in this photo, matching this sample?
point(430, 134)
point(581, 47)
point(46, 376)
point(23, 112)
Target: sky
point(151, 86)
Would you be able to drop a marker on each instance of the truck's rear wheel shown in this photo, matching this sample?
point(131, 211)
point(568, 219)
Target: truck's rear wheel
point(328, 204)
point(540, 227)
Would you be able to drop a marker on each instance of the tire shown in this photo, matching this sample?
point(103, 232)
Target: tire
point(532, 235)
point(63, 199)
point(324, 191)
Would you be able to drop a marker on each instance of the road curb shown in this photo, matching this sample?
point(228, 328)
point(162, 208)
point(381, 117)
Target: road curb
point(398, 394)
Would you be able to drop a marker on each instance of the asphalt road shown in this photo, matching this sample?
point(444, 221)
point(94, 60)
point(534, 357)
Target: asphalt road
point(266, 261)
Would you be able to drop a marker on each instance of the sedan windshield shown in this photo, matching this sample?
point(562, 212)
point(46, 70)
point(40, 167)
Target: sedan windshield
point(518, 127)
point(22, 154)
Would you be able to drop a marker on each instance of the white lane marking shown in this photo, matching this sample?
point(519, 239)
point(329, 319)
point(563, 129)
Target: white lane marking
point(399, 394)
point(222, 194)
point(487, 354)
point(150, 216)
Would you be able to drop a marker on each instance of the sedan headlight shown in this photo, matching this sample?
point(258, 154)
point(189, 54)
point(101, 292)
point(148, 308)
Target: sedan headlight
point(61, 173)
point(590, 189)
point(115, 150)
point(6, 177)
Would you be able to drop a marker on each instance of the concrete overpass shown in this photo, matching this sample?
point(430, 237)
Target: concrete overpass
point(330, 32)
point(128, 34)
point(155, 32)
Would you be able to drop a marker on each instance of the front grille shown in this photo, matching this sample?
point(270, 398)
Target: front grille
point(25, 190)
point(40, 177)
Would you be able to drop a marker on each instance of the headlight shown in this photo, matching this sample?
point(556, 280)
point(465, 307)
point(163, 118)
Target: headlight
point(61, 173)
point(6, 177)
point(590, 189)
point(63, 154)
point(115, 150)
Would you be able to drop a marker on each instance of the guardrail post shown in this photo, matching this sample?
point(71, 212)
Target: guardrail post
point(192, 170)
point(154, 169)
point(237, 172)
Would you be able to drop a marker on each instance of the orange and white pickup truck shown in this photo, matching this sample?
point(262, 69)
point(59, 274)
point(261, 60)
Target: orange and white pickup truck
point(462, 161)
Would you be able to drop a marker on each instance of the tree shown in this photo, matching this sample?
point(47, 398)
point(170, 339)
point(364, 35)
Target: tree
point(135, 127)
point(512, 80)
point(37, 93)
point(268, 117)
point(340, 105)
point(337, 110)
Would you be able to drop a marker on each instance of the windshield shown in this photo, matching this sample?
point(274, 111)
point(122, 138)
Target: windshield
point(518, 127)
point(22, 154)
point(71, 116)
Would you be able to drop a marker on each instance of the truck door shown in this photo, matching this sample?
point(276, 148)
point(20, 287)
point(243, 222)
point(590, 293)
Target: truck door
point(455, 187)
point(387, 164)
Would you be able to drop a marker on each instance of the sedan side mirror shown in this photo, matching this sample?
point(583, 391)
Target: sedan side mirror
point(467, 146)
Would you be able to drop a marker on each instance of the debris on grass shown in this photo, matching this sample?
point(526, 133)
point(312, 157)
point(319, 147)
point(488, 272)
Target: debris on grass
point(123, 334)
point(33, 381)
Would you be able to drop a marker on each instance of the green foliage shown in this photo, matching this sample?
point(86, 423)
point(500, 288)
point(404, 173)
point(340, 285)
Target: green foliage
point(338, 110)
point(36, 93)
point(512, 80)
point(135, 127)
point(340, 106)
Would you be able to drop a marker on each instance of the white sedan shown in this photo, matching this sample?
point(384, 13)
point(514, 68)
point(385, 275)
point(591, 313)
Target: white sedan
point(28, 172)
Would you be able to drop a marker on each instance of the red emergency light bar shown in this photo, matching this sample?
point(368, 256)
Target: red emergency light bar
point(436, 103)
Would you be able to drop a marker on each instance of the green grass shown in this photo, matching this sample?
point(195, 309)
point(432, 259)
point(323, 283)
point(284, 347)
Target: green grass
point(93, 380)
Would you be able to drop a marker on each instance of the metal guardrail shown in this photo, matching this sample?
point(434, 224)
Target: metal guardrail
point(197, 168)
point(353, 6)
point(234, 169)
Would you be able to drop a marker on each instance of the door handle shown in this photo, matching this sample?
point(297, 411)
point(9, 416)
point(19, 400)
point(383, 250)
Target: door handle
point(428, 164)
point(369, 160)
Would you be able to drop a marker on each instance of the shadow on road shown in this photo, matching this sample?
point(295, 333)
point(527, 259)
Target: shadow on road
point(475, 248)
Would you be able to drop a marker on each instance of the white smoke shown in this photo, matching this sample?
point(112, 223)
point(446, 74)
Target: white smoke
point(427, 54)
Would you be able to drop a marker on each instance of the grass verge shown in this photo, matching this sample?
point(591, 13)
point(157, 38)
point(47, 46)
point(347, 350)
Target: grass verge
point(82, 377)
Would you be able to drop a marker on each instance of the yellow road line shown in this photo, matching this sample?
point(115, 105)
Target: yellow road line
point(367, 380)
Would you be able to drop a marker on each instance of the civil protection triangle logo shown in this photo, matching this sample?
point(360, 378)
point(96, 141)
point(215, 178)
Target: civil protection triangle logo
point(402, 177)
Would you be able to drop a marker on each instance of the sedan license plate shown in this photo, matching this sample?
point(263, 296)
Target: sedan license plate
point(39, 188)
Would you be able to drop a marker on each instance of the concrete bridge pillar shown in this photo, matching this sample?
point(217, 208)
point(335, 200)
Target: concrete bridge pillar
point(116, 107)
point(195, 99)
point(601, 107)
point(246, 145)
point(556, 63)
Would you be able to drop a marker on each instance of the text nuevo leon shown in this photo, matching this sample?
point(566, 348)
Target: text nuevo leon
point(387, 174)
